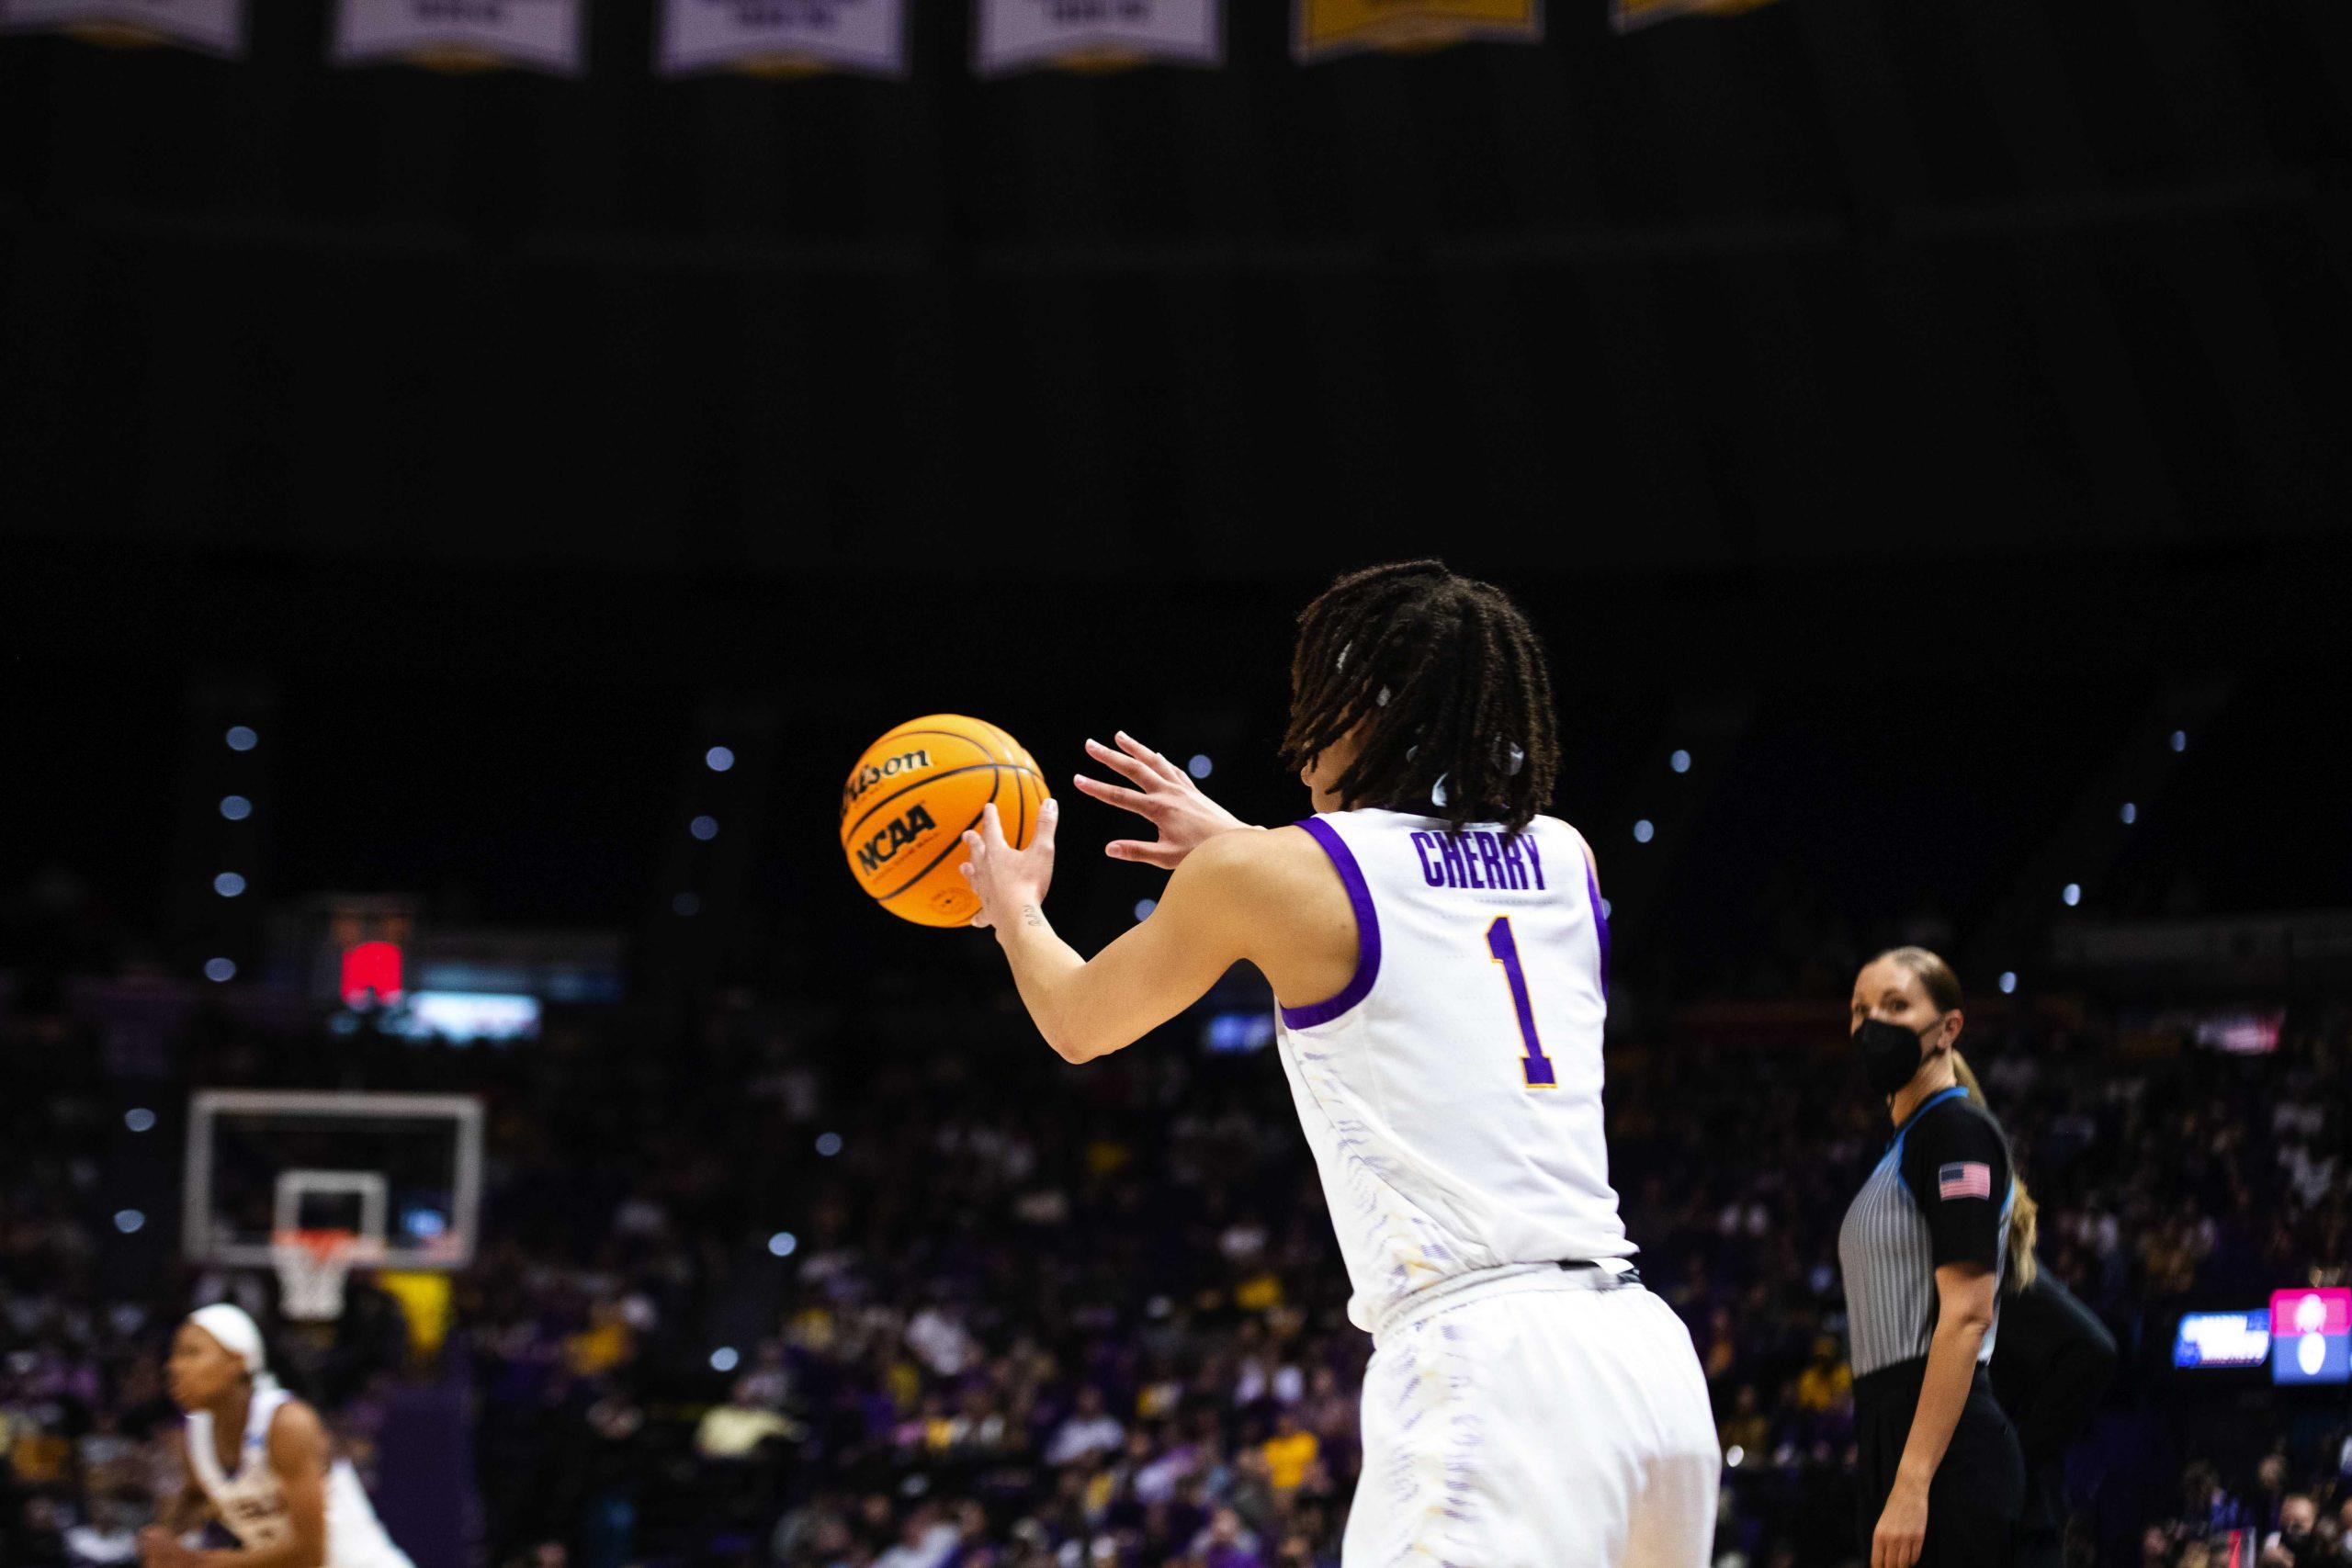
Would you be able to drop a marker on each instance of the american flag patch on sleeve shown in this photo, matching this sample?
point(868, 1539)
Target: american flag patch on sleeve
point(1969, 1178)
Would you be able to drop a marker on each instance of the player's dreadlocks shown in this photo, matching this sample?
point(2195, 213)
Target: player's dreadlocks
point(1450, 686)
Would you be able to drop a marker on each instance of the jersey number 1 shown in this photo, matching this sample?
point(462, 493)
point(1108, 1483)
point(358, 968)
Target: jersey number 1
point(1505, 949)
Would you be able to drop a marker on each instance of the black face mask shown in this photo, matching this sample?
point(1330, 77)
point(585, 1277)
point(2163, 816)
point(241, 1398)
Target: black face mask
point(1889, 1053)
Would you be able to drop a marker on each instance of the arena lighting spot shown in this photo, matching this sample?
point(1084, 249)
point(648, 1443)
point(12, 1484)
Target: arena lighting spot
point(2131, 813)
point(1679, 762)
point(1200, 766)
point(1143, 907)
point(220, 971)
point(1607, 909)
point(1644, 831)
point(718, 759)
point(236, 807)
point(139, 1119)
point(241, 738)
point(2180, 741)
point(829, 1144)
point(129, 1222)
point(686, 906)
point(2071, 895)
point(228, 885)
point(2008, 982)
point(704, 827)
point(783, 1244)
point(1734, 1454)
point(724, 1358)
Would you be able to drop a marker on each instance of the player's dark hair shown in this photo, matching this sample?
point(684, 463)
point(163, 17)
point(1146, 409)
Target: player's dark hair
point(1448, 683)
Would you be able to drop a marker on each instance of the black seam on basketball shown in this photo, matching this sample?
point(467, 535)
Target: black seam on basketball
point(968, 739)
point(1012, 747)
point(951, 734)
point(1021, 794)
point(851, 831)
point(958, 841)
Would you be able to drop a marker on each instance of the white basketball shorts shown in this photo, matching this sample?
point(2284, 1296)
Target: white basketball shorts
point(1535, 1422)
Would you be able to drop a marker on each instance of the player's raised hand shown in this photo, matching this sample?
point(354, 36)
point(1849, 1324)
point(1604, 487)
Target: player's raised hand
point(1010, 882)
point(1164, 796)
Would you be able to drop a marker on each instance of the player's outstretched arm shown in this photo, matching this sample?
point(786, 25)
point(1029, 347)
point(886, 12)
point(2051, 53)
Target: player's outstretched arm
point(298, 1454)
point(1164, 796)
point(1086, 1008)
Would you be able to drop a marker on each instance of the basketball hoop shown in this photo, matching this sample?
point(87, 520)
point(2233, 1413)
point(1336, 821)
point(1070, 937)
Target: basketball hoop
point(312, 1265)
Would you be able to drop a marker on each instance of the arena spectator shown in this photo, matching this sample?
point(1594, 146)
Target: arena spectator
point(1040, 1317)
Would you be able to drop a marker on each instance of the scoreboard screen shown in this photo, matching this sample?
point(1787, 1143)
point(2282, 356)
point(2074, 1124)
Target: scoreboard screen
point(2311, 1337)
point(2211, 1340)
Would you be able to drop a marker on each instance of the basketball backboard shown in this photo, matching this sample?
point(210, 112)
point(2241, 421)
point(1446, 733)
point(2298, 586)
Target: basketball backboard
point(402, 1172)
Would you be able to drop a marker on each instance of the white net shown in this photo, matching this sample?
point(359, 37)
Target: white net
point(312, 1269)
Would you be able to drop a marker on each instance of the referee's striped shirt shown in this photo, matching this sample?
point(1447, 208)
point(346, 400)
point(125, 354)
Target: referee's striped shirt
point(1941, 1194)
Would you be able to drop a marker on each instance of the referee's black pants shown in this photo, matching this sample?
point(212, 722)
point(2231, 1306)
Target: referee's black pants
point(1979, 1490)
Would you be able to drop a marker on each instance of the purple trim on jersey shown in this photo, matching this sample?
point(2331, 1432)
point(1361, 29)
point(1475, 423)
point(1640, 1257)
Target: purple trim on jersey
point(1359, 985)
point(1600, 925)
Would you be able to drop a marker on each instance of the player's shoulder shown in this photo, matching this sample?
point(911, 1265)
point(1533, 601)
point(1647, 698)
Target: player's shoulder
point(1258, 870)
point(296, 1433)
point(1560, 827)
point(1256, 857)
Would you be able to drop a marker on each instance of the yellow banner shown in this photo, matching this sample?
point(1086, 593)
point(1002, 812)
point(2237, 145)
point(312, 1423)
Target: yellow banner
point(1342, 27)
point(1628, 15)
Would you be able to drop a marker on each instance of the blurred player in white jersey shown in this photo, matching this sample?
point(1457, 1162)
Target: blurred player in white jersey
point(1440, 957)
point(260, 1461)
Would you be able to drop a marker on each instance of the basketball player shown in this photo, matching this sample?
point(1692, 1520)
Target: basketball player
point(259, 1461)
point(1438, 951)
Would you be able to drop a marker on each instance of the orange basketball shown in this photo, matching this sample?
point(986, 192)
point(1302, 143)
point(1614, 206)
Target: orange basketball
point(910, 800)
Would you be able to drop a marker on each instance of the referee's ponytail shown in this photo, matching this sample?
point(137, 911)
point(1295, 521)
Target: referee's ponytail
point(2025, 1215)
point(1936, 977)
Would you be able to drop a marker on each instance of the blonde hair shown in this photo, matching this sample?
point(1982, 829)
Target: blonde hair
point(1942, 986)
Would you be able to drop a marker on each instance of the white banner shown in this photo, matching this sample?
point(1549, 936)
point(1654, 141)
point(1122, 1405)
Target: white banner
point(785, 37)
point(460, 35)
point(216, 26)
point(1010, 35)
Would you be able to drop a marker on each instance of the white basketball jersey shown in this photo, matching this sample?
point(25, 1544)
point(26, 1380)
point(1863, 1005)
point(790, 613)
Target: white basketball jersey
point(1452, 1090)
point(252, 1504)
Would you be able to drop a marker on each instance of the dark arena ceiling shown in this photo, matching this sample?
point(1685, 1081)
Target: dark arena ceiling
point(1833, 278)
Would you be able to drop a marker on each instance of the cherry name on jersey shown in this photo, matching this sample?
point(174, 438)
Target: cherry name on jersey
point(1478, 857)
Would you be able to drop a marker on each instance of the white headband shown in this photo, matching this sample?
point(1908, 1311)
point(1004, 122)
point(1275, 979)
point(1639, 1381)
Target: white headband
point(237, 1333)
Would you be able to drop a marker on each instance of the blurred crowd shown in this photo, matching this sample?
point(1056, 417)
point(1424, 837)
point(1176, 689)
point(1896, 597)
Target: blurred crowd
point(2275, 1519)
point(900, 1289)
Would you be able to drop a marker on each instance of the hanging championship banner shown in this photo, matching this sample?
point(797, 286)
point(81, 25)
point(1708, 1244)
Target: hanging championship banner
point(1095, 35)
point(216, 27)
point(461, 35)
point(1327, 28)
point(1628, 15)
point(784, 38)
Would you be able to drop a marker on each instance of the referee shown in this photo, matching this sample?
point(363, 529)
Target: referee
point(1923, 1249)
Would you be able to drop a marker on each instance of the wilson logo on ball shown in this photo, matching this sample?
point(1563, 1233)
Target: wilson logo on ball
point(872, 774)
point(877, 850)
